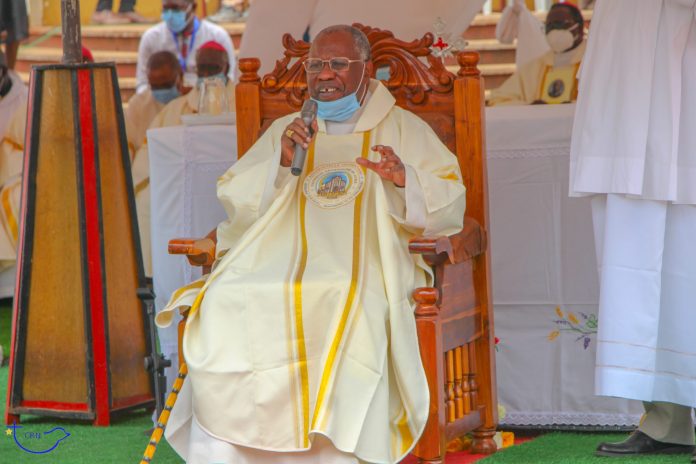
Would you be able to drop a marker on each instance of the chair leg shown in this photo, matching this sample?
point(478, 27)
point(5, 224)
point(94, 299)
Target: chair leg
point(431, 461)
point(483, 442)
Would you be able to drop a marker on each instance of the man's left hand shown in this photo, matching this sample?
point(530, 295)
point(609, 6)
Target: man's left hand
point(389, 167)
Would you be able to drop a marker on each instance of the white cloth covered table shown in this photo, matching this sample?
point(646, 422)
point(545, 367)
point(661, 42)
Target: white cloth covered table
point(185, 163)
point(542, 256)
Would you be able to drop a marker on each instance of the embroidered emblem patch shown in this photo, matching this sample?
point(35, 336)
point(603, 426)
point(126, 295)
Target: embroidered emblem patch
point(334, 185)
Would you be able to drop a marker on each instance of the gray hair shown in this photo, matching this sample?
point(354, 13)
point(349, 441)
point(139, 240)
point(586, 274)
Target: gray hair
point(362, 45)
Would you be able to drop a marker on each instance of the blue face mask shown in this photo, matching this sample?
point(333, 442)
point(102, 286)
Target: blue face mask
point(164, 96)
point(175, 19)
point(339, 110)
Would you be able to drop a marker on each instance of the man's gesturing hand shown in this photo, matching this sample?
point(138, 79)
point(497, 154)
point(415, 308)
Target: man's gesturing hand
point(296, 132)
point(389, 167)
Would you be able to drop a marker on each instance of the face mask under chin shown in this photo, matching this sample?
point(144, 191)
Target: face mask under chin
point(342, 109)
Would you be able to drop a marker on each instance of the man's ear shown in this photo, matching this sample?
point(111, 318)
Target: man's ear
point(369, 69)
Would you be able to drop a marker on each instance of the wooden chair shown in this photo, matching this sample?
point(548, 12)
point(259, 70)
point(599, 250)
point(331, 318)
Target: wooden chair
point(454, 318)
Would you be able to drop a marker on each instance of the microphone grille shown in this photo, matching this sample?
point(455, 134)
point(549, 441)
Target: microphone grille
point(309, 109)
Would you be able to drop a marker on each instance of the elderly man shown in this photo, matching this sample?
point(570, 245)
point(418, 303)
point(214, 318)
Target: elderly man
point(164, 76)
point(552, 77)
point(301, 344)
point(211, 60)
point(181, 33)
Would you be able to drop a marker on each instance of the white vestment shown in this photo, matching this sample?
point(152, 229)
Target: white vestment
point(526, 84)
point(13, 110)
point(159, 38)
point(305, 326)
point(517, 22)
point(634, 142)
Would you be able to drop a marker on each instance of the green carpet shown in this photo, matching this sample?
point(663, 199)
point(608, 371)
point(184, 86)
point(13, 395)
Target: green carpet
point(124, 442)
point(121, 443)
point(572, 448)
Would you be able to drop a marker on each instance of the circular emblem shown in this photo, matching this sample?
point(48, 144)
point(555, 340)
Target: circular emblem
point(556, 88)
point(334, 185)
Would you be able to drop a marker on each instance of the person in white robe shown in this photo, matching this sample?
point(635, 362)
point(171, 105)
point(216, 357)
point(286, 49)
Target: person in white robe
point(181, 33)
point(13, 104)
point(301, 344)
point(634, 149)
point(164, 76)
point(518, 23)
point(408, 19)
point(211, 61)
point(550, 78)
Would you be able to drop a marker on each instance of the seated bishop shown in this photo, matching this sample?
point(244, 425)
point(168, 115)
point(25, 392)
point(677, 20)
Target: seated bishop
point(301, 343)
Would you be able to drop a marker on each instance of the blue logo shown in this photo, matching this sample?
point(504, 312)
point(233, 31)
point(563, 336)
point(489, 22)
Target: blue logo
point(52, 438)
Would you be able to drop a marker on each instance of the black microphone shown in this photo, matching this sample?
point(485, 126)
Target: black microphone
point(308, 115)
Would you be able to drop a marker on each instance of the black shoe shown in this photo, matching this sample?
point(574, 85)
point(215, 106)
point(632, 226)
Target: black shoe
point(640, 443)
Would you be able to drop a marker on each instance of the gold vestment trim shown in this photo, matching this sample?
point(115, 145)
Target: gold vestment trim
point(331, 358)
point(299, 325)
point(9, 214)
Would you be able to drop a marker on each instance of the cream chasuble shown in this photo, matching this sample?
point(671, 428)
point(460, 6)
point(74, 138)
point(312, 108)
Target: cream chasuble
point(169, 116)
point(526, 84)
point(141, 111)
point(305, 326)
point(13, 114)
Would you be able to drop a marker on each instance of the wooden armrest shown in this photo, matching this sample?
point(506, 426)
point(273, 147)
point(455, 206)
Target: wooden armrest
point(199, 251)
point(466, 244)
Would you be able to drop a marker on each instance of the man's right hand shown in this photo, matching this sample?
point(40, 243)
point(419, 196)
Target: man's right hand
point(296, 132)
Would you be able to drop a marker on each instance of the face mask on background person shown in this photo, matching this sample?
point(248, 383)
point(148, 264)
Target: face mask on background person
point(176, 20)
point(561, 40)
point(164, 96)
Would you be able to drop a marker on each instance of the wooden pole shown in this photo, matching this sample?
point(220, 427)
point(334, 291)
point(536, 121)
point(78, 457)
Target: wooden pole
point(72, 36)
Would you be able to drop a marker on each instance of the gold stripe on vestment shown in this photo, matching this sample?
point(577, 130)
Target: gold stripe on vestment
point(295, 393)
point(9, 214)
point(13, 144)
point(299, 325)
point(338, 336)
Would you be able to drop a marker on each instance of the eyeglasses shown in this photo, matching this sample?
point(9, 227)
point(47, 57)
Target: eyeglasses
point(338, 64)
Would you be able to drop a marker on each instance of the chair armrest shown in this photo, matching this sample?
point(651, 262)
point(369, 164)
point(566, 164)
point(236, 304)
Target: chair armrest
point(466, 244)
point(199, 251)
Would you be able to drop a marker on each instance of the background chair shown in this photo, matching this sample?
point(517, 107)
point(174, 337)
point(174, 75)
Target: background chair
point(454, 317)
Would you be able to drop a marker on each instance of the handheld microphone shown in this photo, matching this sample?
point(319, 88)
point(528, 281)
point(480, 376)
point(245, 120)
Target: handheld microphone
point(308, 115)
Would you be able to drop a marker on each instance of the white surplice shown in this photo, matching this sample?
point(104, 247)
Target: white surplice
point(634, 144)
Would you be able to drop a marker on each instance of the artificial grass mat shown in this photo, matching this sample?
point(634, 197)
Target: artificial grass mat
point(124, 442)
point(121, 443)
point(573, 448)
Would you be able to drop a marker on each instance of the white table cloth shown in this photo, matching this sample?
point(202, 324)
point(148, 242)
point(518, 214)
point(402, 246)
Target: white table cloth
point(545, 286)
point(185, 163)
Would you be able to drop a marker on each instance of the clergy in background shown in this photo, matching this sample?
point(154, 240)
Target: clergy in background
point(164, 76)
point(634, 149)
point(211, 61)
point(13, 100)
point(552, 77)
point(181, 33)
point(301, 344)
